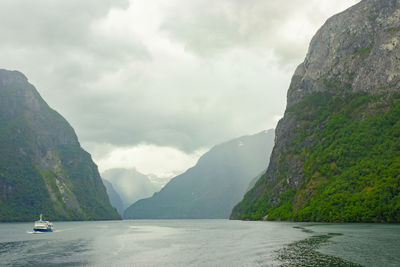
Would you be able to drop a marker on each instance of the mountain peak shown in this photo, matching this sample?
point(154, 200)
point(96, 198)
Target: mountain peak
point(342, 53)
point(8, 77)
point(43, 168)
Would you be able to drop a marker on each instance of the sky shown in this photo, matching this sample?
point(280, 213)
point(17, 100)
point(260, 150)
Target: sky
point(153, 84)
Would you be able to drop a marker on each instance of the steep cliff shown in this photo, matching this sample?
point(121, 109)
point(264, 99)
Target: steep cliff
point(337, 148)
point(211, 188)
point(114, 197)
point(43, 169)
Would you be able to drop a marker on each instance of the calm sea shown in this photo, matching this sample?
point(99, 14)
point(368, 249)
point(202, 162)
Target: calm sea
point(200, 243)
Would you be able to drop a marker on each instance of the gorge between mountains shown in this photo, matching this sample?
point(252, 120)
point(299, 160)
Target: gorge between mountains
point(322, 189)
point(335, 156)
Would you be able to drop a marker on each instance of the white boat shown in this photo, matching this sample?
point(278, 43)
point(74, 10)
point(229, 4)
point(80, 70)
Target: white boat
point(43, 225)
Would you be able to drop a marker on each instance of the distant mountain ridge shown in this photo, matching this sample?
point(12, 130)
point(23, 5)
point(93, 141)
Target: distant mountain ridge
point(130, 185)
point(43, 168)
point(213, 186)
point(115, 199)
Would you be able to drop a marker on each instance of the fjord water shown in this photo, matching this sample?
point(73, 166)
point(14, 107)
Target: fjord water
point(200, 243)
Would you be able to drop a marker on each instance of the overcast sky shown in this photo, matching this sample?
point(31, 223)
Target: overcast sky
point(152, 84)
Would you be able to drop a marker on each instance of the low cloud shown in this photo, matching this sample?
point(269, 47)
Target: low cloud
point(151, 160)
point(209, 28)
point(177, 74)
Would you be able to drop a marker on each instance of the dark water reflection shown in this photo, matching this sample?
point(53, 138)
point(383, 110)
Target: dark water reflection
point(305, 252)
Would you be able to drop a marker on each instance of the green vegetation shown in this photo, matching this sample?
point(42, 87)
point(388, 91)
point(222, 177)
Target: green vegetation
point(210, 189)
point(373, 18)
point(392, 29)
point(43, 169)
point(364, 51)
point(26, 190)
point(85, 183)
point(349, 150)
point(20, 198)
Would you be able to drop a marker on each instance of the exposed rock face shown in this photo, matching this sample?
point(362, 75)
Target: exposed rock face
point(210, 189)
point(356, 51)
point(43, 169)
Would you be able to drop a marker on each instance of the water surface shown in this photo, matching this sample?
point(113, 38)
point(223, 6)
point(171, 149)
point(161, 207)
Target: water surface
point(200, 243)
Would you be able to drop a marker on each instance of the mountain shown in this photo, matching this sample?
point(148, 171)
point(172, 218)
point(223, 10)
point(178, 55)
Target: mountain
point(337, 151)
point(114, 197)
point(212, 187)
point(43, 168)
point(255, 179)
point(130, 185)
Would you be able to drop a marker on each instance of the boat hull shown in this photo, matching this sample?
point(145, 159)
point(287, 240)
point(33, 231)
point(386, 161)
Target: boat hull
point(43, 230)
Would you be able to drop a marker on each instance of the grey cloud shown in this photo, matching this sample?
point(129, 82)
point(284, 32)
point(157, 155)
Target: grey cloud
point(48, 23)
point(208, 27)
point(174, 117)
point(57, 36)
point(54, 44)
point(118, 91)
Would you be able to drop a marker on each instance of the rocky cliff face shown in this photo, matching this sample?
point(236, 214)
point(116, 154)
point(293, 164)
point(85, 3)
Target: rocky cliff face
point(43, 169)
point(357, 50)
point(338, 101)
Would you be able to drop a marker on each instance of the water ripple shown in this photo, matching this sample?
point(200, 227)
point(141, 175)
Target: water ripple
point(305, 252)
point(43, 253)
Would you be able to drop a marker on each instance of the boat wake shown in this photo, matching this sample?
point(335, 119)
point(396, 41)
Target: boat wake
point(55, 231)
point(33, 232)
point(59, 231)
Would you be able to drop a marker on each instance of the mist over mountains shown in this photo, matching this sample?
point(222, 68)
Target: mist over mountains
point(335, 155)
point(130, 185)
point(213, 186)
point(173, 165)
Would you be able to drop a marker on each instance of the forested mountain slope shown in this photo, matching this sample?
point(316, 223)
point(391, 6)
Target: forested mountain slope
point(43, 168)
